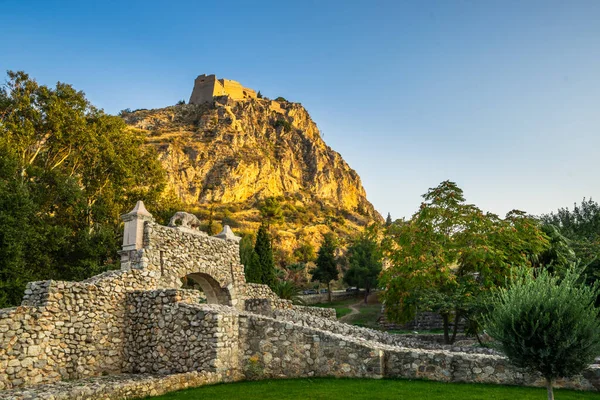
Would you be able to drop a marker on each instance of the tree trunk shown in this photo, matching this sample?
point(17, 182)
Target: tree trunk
point(479, 339)
point(446, 329)
point(455, 330)
point(549, 389)
point(366, 295)
point(329, 291)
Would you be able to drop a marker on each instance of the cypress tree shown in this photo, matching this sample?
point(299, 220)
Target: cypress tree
point(388, 220)
point(265, 256)
point(249, 259)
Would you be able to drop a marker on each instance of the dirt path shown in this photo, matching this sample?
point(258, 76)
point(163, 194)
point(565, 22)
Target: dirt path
point(354, 311)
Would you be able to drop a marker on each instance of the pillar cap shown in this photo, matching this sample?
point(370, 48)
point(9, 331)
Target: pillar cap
point(138, 211)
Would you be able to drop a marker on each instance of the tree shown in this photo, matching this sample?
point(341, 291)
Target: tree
point(67, 173)
point(547, 324)
point(450, 253)
point(388, 220)
point(326, 265)
point(249, 259)
point(259, 95)
point(305, 253)
point(364, 259)
point(581, 229)
point(286, 290)
point(265, 256)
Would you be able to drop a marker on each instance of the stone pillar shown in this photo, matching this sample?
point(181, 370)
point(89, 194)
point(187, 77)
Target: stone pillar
point(133, 234)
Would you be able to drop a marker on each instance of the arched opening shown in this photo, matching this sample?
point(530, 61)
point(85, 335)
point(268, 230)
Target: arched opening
point(207, 284)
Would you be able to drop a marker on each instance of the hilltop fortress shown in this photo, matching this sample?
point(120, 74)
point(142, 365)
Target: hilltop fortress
point(206, 87)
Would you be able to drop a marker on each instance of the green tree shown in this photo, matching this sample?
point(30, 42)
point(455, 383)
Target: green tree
point(270, 211)
point(547, 324)
point(265, 256)
point(286, 290)
point(365, 262)
point(581, 228)
point(249, 259)
point(449, 253)
point(67, 173)
point(388, 220)
point(326, 266)
point(305, 253)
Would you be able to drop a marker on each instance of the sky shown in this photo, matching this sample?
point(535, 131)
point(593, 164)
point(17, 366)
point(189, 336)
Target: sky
point(501, 97)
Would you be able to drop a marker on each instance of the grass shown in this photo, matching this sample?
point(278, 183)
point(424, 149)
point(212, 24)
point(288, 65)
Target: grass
point(368, 389)
point(367, 316)
point(341, 306)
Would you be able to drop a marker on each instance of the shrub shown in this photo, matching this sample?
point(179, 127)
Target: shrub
point(287, 126)
point(546, 325)
point(281, 99)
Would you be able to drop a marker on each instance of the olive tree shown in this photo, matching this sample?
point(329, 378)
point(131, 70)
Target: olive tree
point(546, 324)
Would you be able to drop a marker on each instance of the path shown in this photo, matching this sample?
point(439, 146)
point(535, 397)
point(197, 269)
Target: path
point(354, 311)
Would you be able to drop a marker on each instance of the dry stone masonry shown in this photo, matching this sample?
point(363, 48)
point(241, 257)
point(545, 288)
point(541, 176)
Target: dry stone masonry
point(134, 332)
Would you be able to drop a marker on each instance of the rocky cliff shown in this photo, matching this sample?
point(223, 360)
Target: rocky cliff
point(228, 156)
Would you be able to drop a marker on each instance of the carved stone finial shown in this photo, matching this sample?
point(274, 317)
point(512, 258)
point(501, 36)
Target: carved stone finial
point(227, 233)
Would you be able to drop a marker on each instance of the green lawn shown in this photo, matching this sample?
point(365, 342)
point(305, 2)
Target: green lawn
point(368, 389)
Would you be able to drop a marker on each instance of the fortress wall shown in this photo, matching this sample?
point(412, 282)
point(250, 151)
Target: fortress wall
point(204, 89)
point(169, 332)
point(274, 348)
point(236, 91)
point(280, 349)
point(71, 330)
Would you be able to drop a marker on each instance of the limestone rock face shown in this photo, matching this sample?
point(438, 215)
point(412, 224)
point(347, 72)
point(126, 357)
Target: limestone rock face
point(241, 151)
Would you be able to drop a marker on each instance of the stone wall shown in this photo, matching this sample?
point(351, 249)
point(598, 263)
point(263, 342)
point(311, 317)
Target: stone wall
point(212, 262)
point(309, 299)
point(169, 332)
point(284, 348)
point(114, 387)
point(321, 312)
point(281, 349)
point(67, 330)
point(74, 330)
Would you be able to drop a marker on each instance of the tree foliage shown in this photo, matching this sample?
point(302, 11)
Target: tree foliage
point(67, 172)
point(388, 220)
point(265, 256)
point(365, 261)
point(326, 265)
point(546, 324)
point(580, 229)
point(451, 253)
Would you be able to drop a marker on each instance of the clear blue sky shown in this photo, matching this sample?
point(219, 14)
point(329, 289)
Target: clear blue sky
point(500, 96)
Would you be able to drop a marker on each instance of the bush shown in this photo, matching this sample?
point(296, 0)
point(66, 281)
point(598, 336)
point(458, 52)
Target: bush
point(546, 325)
point(287, 126)
point(281, 99)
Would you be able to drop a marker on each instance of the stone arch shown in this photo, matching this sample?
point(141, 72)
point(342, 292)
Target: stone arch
point(215, 294)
